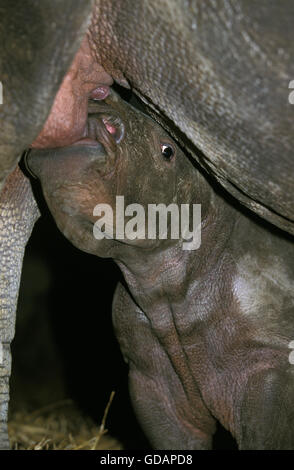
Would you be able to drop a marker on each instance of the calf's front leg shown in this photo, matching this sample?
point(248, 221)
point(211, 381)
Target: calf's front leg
point(165, 410)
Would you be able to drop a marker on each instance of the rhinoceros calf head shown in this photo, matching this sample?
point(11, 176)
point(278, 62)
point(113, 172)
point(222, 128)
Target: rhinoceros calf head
point(123, 152)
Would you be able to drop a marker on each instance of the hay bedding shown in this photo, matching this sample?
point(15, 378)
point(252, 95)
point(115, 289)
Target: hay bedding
point(60, 426)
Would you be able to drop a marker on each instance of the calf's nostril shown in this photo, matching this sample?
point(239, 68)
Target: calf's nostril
point(115, 127)
point(111, 129)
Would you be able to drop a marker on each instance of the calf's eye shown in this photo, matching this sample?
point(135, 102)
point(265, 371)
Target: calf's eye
point(167, 151)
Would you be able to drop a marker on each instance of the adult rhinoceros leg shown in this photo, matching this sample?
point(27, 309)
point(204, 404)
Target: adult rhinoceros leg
point(18, 213)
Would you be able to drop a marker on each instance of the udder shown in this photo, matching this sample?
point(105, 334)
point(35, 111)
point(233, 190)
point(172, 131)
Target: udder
point(67, 119)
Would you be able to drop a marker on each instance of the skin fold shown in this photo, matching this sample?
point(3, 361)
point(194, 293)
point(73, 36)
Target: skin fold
point(219, 71)
point(206, 332)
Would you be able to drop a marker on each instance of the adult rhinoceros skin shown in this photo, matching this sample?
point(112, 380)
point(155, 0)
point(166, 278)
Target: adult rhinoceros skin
point(38, 41)
point(220, 70)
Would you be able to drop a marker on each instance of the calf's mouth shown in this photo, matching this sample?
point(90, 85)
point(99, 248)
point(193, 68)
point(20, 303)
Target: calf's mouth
point(104, 125)
point(104, 132)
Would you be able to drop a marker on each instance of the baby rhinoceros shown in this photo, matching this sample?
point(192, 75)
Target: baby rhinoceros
point(206, 332)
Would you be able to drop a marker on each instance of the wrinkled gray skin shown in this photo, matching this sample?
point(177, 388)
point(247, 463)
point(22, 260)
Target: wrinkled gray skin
point(38, 41)
point(220, 71)
point(206, 333)
point(18, 213)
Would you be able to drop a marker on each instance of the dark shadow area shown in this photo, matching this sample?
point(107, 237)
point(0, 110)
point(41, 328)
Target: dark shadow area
point(223, 440)
point(64, 344)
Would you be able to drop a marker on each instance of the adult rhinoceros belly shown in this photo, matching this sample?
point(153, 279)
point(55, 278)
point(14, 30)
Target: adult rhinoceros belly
point(221, 71)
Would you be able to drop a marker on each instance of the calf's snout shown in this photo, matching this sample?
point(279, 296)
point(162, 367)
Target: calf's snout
point(63, 162)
